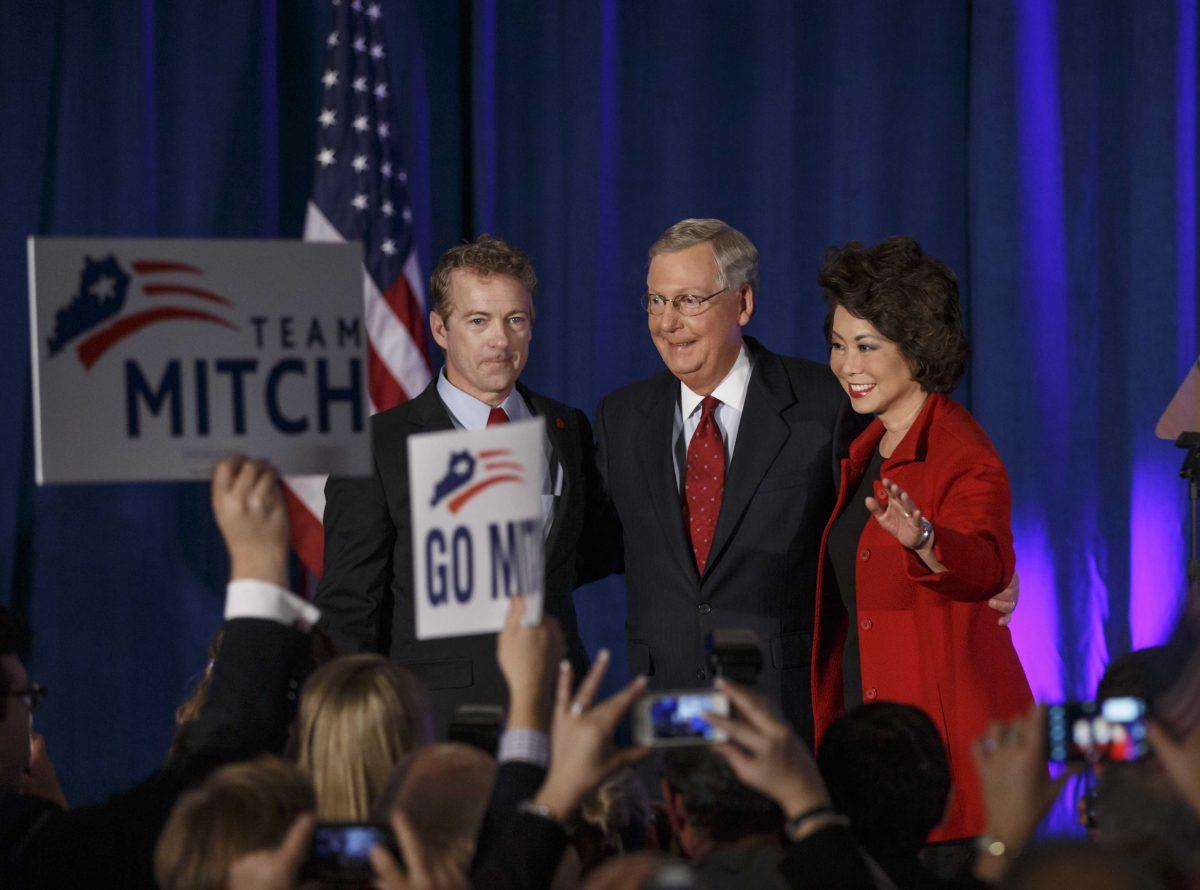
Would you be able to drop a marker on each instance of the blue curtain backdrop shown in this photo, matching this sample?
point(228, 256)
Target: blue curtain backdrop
point(1045, 150)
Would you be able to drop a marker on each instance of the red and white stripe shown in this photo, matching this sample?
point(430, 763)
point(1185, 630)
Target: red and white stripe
point(398, 369)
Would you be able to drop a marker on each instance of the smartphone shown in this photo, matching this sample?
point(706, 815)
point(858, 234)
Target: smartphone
point(1111, 730)
point(340, 851)
point(680, 717)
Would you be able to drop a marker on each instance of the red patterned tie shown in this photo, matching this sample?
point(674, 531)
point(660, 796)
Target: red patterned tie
point(497, 415)
point(704, 481)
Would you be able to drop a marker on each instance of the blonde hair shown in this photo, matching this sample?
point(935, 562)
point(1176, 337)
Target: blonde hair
point(359, 715)
point(239, 809)
point(737, 257)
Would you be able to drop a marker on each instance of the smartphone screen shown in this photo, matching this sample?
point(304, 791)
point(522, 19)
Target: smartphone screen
point(341, 851)
point(1112, 730)
point(680, 718)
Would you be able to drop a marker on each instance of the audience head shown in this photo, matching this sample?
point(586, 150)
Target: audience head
point(359, 715)
point(616, 818)
point(909, 300)
point(238, 809)
point(886, 770)
point(700, 292)
point(443, 790)
point(15, 715)
point(643, 871)
point(709, 807)
point(1060, 864)
point(1145, 673)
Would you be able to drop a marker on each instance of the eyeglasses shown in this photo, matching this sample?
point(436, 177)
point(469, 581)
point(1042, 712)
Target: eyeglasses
point(684, 304)
point(33, 696)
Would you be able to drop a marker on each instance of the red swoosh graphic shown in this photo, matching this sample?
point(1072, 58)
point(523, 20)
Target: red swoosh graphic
point(100, 342)
point(160, 290)
point(457, 502)
point(150, 267)
point(504, 465)
point(495, 452)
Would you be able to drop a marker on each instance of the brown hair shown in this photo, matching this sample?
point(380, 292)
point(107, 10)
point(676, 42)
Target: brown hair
point(910, 297)
point(485, 256)
point(238, 809)
point(359, 715)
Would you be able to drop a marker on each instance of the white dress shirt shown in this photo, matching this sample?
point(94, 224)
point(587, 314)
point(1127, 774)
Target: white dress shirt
point(731, 393)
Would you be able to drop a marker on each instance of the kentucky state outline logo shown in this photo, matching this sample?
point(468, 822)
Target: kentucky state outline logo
point(112, 304)
point(498, 467)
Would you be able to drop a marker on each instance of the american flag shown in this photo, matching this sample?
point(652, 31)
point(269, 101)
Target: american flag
point(360, 193)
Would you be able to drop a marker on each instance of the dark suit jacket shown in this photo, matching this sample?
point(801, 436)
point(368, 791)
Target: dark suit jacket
point(761, 571)
point(256, 678)
point(366, 594)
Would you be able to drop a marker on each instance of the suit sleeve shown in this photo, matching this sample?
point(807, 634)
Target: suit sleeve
point(972, 536)
point(599, 552)
point(606, 511)
point(359, 540)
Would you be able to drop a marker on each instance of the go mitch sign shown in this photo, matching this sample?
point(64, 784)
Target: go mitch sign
point(154, 358)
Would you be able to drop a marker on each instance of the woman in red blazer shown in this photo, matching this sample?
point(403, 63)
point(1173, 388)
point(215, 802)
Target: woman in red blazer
point(920, 538)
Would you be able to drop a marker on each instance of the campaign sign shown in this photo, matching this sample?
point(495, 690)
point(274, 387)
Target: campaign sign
point(477, 526)
point(153, 359)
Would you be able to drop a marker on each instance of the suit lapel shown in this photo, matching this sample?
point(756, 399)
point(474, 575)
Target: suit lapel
point(761, 434)
point(658, 469)
point(564, 450)
point(429, 414)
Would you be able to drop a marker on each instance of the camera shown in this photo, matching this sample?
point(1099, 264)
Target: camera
point(667, 719)
point(340, 851)
point(1111, 730)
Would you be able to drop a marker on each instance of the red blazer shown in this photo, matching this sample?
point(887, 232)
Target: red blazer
point(927, 639)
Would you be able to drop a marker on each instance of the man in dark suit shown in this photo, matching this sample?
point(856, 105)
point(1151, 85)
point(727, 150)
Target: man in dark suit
point(722, 473)
point(482, 317)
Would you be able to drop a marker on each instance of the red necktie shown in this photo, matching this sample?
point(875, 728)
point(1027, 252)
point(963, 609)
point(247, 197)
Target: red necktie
point(704, 481)
point(497, 415)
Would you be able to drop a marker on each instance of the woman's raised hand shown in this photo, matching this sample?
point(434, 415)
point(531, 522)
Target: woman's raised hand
point(900, 517)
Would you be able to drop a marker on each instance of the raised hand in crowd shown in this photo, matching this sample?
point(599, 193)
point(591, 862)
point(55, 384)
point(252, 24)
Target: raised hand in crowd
point(251, 514)
point(1180, 759)
point(582, 750)
point(1017, 789)
point(527, 656)
point(767, 755)
point(40, 778)
point(422, 870)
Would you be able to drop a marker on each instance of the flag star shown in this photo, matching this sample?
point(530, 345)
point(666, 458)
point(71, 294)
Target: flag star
point(330, 79)
point(360, 84)
point(377, 51)
point(360, 44)
point(325, 157)
point(402, 176)
point(388, 247)
point(381, 90)
point(407, 214)
point(386, 168)
point(386, 208)
point(332, 40)
point(327, 117)
point(360, 201)
point(360, 123)
point(104, 289)
point(384, 129)
point(356, 5)
point(359, 163)
point(373, 11)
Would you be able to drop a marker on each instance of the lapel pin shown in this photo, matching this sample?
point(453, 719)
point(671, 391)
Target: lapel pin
point(558, 422)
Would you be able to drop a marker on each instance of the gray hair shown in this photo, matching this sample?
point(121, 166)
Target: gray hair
point(737, 257)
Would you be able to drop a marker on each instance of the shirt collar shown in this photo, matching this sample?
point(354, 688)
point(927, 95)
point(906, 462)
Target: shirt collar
point(469, 412)
point(730, 391)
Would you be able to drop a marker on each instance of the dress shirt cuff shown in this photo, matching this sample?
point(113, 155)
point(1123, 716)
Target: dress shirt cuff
point(527, 745)
point(247, 598)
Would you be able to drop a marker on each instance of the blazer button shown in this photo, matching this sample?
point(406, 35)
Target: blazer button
point(870, 693)
point(866, 624)
point(704, 608)
point(699, 673)
point(864, 554)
